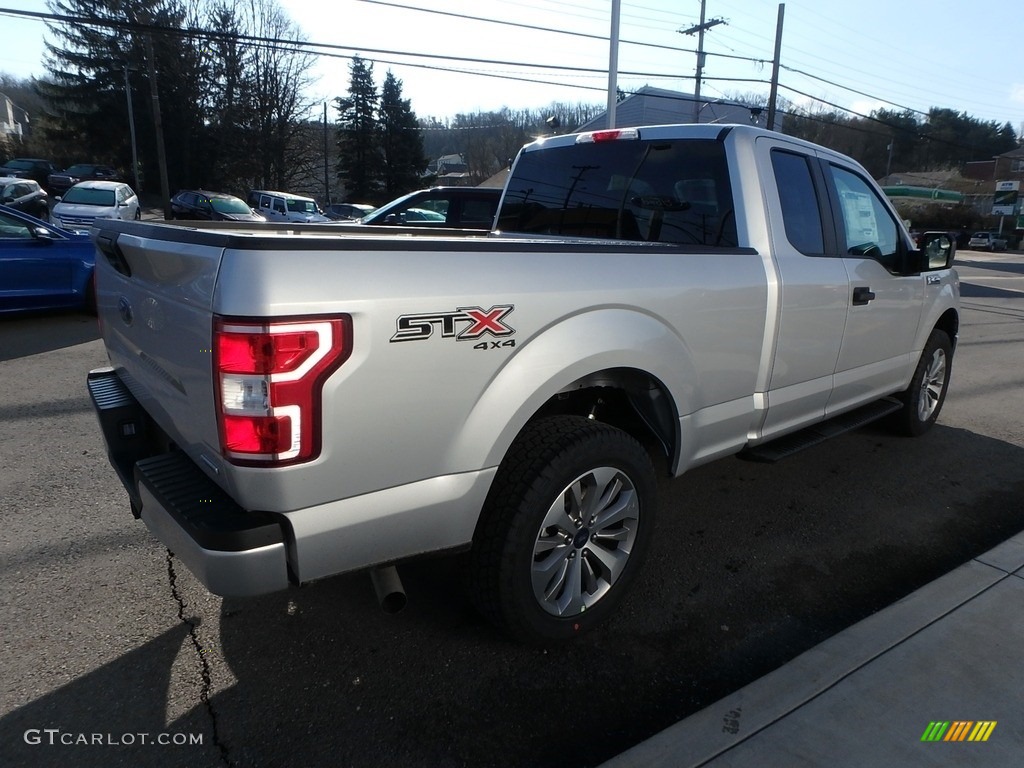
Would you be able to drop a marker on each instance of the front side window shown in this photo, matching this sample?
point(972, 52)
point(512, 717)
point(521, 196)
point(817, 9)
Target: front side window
point(12, 228)
point(869, 229)
point(672, 191)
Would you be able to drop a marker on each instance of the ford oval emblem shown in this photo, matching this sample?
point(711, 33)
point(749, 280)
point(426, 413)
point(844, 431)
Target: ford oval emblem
point(124, 308)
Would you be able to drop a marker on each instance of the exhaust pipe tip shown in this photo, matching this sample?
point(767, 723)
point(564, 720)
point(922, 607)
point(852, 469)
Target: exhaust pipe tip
point(389, 590)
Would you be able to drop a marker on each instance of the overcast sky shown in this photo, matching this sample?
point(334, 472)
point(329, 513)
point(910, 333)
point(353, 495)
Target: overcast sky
point(858, 54)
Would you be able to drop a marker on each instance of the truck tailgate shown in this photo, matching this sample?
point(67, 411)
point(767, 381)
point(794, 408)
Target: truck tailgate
point(155, 299)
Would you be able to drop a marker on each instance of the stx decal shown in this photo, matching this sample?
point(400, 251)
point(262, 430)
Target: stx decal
point(464, 324)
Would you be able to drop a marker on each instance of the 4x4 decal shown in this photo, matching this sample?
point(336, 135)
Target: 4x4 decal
point(464, 324)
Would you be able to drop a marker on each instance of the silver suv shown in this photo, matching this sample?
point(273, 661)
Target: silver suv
point(987, 241)
point(284, 206)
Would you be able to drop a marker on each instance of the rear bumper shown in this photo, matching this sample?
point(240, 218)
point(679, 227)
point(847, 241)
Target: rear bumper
point(232, 551)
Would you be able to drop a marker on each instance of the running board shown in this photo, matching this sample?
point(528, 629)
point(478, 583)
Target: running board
point(806, 438)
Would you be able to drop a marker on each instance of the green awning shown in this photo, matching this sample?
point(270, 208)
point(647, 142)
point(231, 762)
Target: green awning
point(923, 193)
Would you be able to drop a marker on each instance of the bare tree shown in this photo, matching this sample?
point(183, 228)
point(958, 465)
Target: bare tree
point(278, 73)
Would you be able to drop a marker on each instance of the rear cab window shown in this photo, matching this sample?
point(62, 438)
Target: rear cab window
point(668, 191)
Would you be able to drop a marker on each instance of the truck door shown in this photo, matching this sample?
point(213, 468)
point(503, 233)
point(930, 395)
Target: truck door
point(811, 287)
point(884, 308)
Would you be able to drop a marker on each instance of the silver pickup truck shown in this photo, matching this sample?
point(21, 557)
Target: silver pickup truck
point(285, 403)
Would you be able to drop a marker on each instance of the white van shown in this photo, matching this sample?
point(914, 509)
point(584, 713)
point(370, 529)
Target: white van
point(283, 206)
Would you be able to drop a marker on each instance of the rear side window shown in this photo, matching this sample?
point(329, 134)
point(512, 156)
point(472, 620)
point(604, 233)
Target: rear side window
point(479, 212)
point(653, 191)
point(799, 200)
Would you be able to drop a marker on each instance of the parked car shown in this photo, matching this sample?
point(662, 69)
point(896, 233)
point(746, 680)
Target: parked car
point(90, 200)
point(348, 211)
point(987, 241)
point(25, 195)
point(29, 168)
point(43, 266)
point(284, 206)
point(60, 181)
point(198, 204)
point(460, 207)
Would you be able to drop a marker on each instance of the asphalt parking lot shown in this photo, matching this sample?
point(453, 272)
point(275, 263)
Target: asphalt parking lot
point(106, 636)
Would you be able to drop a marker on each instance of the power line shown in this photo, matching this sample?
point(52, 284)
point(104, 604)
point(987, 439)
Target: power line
point(295, 46)
point(535, 28)
point(277, 41)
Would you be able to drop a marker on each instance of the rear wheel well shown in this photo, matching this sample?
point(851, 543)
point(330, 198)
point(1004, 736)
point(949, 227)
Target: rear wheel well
point(625, 398)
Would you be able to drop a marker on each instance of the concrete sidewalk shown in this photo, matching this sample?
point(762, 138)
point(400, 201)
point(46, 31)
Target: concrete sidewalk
point(953, 651)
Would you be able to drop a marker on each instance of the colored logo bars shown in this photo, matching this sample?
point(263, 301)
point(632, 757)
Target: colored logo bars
point(959, 730)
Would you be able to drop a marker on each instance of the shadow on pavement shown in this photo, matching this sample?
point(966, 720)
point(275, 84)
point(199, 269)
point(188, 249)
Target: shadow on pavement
point(753, 564)
point(118, 702)
point(24, 335)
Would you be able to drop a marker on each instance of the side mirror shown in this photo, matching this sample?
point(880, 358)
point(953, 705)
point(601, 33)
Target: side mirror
point(42, 234)
point(939, 250)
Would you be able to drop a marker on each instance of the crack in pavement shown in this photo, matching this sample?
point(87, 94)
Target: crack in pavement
point(205, 674)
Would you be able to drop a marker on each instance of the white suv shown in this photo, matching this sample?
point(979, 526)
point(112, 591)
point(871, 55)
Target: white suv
point(87, 201)
point(283, 206)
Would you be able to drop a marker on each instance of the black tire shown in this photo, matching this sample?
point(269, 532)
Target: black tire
point(528, 521)
point(923, 399)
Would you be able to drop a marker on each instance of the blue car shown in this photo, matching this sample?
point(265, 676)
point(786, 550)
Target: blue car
point(43, 266)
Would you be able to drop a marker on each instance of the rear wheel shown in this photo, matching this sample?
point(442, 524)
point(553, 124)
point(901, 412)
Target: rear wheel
point(923, 399)
point(564, 529)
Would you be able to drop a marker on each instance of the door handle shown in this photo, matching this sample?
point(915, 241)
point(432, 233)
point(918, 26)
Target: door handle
point(862, 295)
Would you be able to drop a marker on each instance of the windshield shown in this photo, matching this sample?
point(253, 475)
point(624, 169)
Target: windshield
point(302, 206)
point(79, 170)
point(90, 196)
point(229, 205)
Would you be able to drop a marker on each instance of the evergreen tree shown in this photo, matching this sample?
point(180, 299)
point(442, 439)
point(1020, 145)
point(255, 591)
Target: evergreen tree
point(360, 158)
point(401, 141)
point(85, 86)
point(231, 151)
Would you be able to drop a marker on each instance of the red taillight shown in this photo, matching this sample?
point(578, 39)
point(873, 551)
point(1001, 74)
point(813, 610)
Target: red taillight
point(265, 352)
point(269, 378)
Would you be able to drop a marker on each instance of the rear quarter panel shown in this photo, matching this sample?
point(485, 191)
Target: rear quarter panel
point(399, 412)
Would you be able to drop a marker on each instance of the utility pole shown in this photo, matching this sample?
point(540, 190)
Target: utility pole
point(327, 177)
point(700, 29)
point(613, 65)
point(131, 127)
point(158, 123)
point(773, 92)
